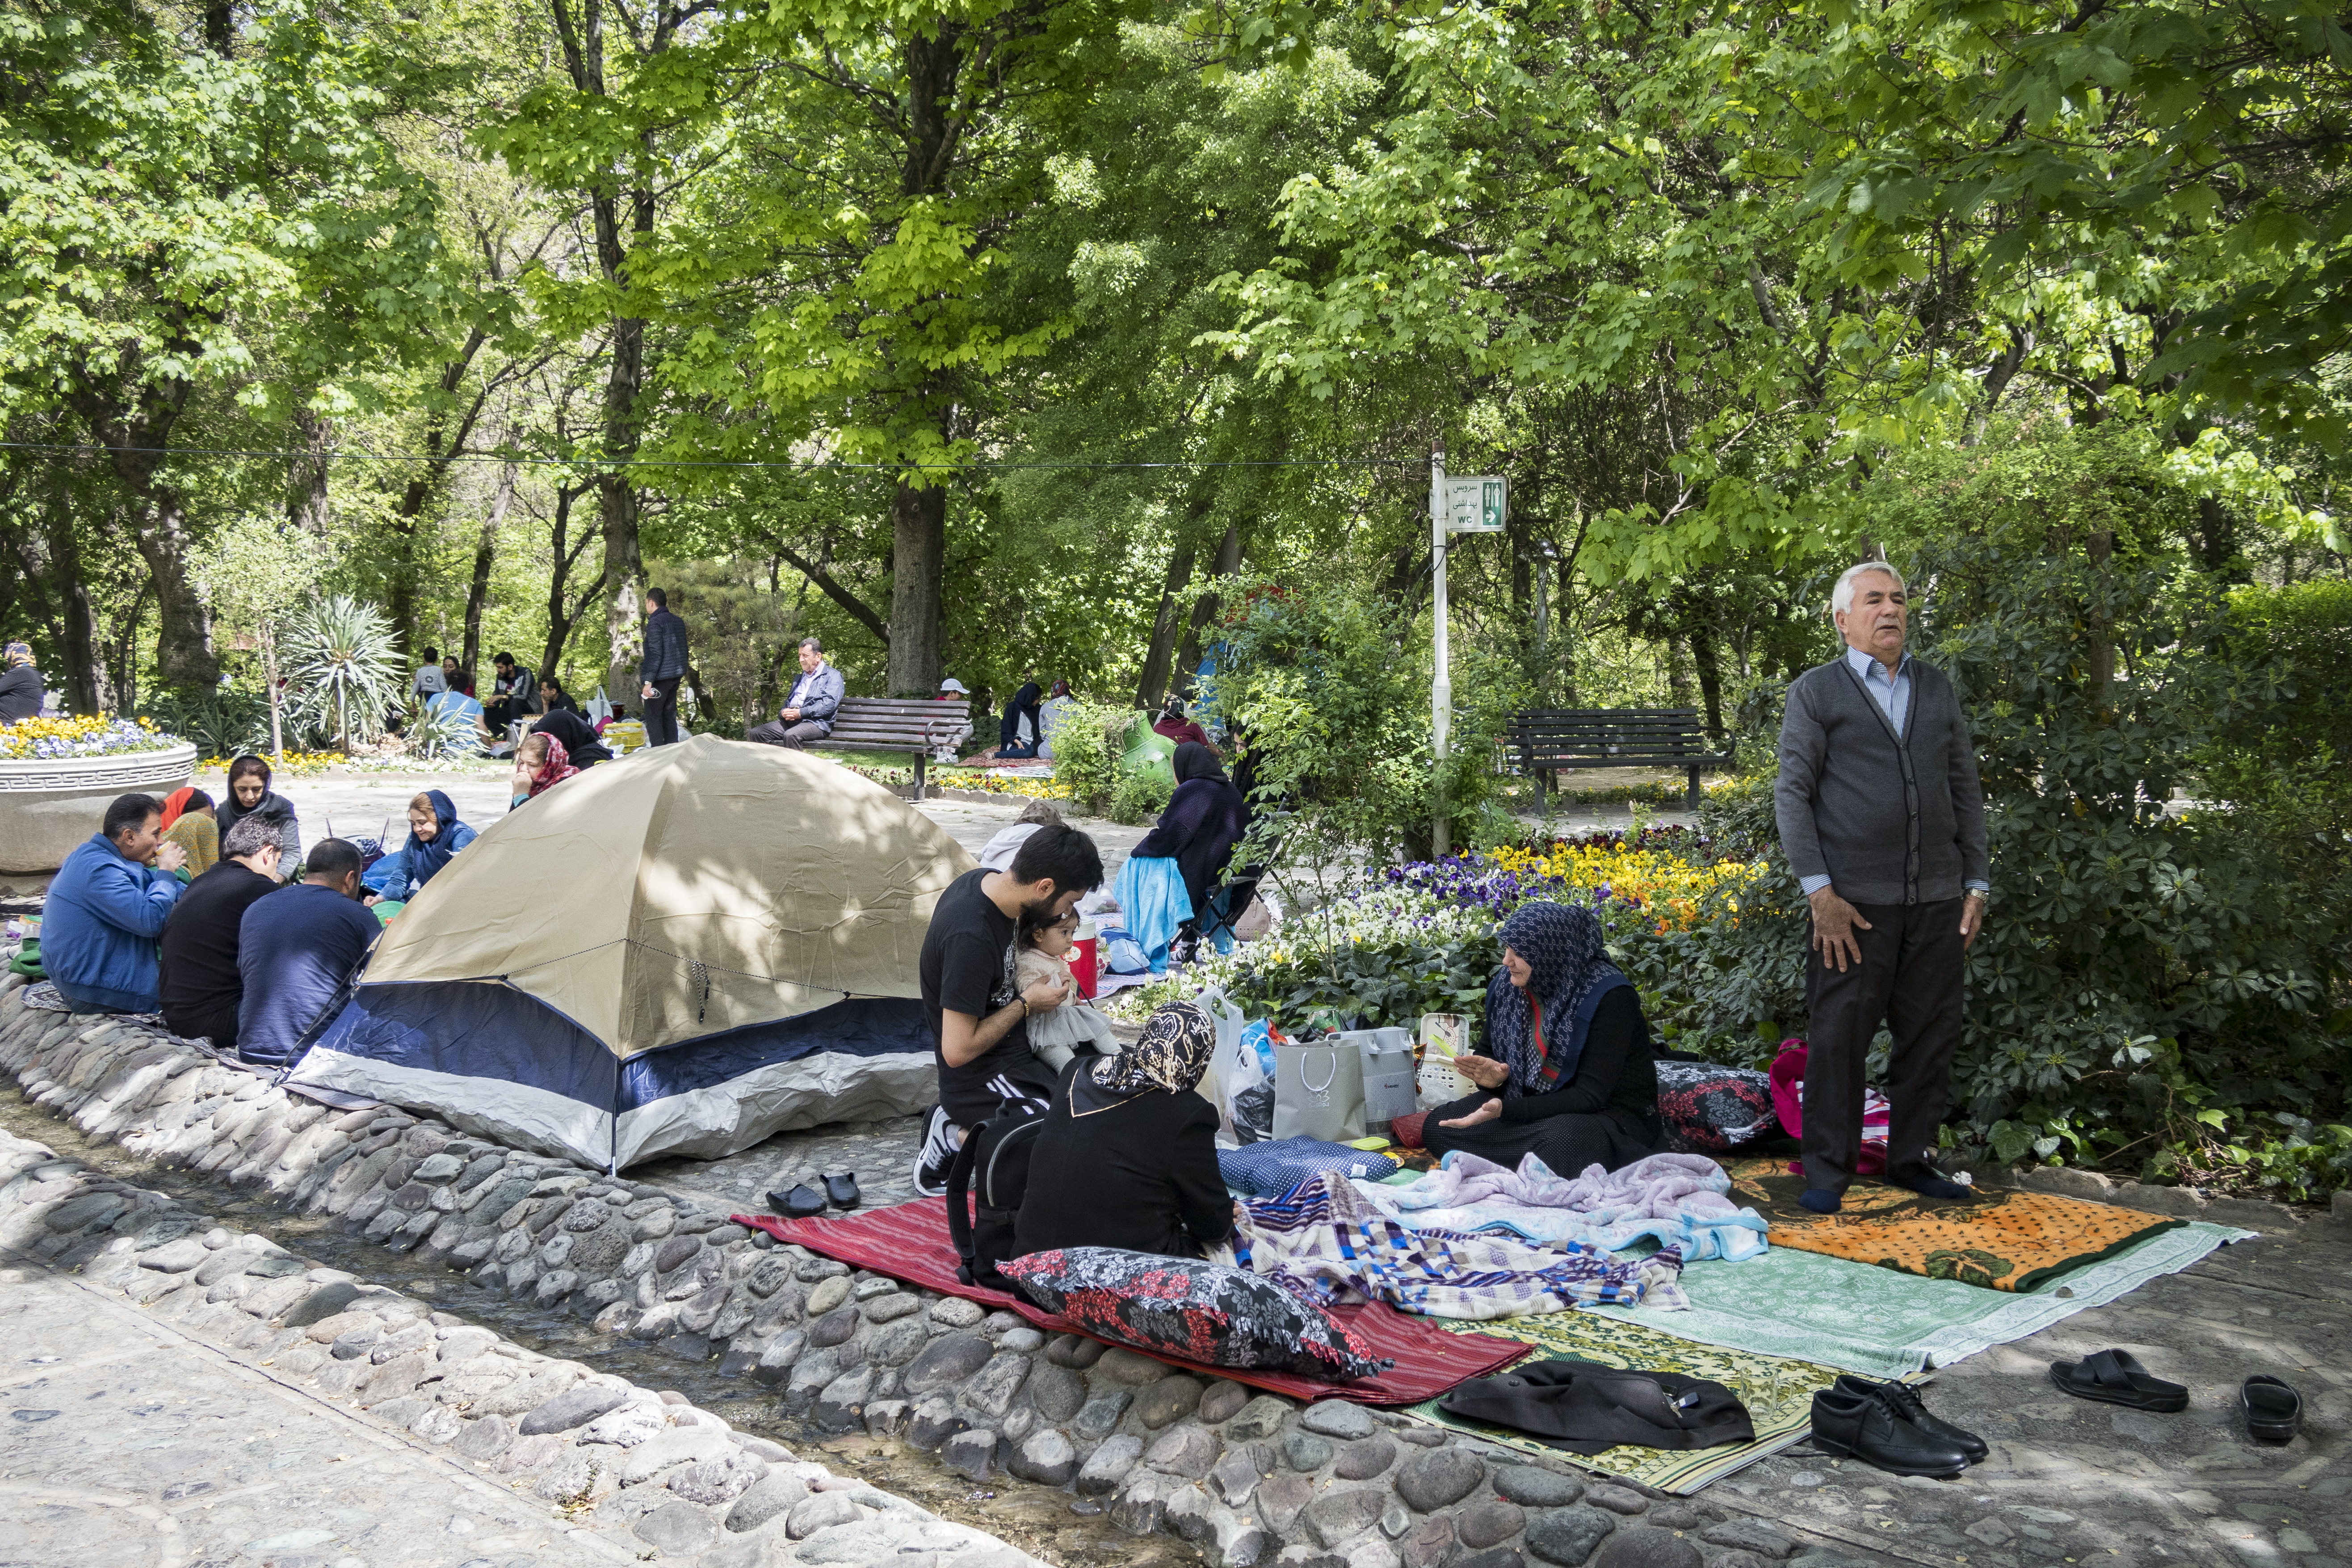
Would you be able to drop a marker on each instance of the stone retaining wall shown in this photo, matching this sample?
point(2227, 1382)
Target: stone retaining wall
point(1246, 1476)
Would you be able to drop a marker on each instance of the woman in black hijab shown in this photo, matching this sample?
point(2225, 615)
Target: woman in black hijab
point(1205, 819)
point(1565, 1070)
point(250, 794)
point(580, 742)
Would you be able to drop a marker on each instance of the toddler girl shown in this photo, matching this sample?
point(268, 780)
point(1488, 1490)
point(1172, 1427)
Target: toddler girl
point(1057, 1036)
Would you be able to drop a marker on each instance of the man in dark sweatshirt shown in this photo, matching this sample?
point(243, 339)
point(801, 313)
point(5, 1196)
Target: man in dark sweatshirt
point(663, 667)
point(1883, 821)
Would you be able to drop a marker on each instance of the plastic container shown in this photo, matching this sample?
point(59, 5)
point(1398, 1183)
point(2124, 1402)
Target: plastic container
point(1084, 956)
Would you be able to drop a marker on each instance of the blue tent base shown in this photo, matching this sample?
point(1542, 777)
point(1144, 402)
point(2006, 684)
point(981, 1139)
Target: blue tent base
point(497, 1061)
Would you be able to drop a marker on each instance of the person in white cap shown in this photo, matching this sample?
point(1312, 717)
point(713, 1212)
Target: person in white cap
point(946, 746)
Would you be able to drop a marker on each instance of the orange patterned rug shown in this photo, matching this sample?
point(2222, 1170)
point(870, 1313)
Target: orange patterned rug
point(2001, 1239)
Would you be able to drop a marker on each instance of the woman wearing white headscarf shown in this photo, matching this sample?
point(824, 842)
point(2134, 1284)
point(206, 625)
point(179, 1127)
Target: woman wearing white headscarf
point(1128, 1157)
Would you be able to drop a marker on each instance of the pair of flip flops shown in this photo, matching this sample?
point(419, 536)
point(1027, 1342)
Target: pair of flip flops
point(805, 1202)
point(2273, 1409)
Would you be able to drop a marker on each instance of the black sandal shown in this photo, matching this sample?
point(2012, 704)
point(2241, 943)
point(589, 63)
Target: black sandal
point(2116, 1377)
point(2273, 1410)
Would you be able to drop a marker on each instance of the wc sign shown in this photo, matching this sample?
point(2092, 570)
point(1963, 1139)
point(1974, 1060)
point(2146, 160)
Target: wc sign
point(1475, 503)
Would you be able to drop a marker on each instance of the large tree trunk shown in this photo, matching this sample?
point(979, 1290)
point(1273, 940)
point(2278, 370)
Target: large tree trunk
point(1710, 678)
point(1152, 685)
point(919, 550)
point(84, 675)
point(486, 550)
point(564, 611)
point(617, 510)
point(1204, 608)
point(306, 497)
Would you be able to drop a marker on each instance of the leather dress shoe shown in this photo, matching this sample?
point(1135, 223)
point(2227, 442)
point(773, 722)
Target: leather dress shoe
point(843, 1190)
point(1871, 1427)
point(1915, 1410)
point(803, 1202)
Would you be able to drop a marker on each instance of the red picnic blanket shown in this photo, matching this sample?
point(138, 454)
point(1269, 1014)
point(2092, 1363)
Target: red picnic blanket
point(909, 1242)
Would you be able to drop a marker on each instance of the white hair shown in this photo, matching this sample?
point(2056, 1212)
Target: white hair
point(1842, 597)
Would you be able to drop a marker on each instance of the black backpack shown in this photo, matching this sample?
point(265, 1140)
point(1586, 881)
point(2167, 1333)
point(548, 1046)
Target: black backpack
point(992, 1167)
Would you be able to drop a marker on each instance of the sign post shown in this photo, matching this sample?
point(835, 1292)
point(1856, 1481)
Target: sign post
point(1468, 503)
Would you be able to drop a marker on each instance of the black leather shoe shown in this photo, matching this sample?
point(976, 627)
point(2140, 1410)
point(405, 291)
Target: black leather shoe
point(2273, 1410)
point(1912, 1408)
point(803, 1202)
point(843, 1190)
point(1869, 1427)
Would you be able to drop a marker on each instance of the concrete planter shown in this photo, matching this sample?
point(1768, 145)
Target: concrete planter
point(46, 807)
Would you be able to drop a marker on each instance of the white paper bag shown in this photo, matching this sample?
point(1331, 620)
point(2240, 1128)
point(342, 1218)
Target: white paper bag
point(1444, 1036)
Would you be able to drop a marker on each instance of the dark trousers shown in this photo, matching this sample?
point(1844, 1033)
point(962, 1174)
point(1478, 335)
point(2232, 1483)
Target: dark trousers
point(661, 711)
point(776, 732)
point(220, 1028)
point(1908, 979)
point(1008, 729)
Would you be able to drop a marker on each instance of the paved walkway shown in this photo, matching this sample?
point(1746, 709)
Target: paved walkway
point(127, 1442)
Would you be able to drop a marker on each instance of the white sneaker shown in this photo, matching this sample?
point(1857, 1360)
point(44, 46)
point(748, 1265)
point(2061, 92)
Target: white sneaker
point(940, 1141)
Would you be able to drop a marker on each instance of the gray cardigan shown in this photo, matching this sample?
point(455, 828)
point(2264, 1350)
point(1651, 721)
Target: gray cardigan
point(1889, 819)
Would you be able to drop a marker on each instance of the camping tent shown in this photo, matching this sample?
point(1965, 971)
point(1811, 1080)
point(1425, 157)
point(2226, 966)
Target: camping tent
point(681, 951)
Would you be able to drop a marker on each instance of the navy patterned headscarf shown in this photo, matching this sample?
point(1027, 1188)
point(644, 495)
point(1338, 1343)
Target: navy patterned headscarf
point(1568, 962)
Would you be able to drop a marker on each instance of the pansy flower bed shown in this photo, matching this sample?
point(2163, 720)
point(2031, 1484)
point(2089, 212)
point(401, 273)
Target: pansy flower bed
point(60, 739)
point(1407, 940)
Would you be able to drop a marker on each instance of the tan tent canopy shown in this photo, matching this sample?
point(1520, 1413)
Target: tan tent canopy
point(702, 892)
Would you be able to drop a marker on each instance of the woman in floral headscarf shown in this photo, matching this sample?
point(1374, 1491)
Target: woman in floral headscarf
point(1127, 1156)
point(1566, 1071)
point(541, 764)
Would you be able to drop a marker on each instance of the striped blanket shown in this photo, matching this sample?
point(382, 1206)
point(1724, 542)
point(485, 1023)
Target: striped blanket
point(1326, 1239)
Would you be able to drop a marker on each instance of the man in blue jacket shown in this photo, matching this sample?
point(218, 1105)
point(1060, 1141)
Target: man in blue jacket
point(663, 667)
point(808, 712)
point(107, 907)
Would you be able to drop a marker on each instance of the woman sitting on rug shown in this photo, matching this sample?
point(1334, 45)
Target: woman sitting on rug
point(1568, 1049)
point(1128, 1157)
point(435, 833)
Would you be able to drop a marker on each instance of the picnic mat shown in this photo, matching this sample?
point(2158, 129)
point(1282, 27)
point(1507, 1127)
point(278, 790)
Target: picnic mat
point(909, 1242)
point(1778, 1392)
point(1999, 1239)
point(1812, 1307)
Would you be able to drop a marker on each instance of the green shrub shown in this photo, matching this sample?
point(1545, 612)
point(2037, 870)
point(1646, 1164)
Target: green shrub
point(1140, 794)
point(1086, 754)
point(2153, 986)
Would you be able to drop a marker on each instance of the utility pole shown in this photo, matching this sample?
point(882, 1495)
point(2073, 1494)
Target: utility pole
point(1476, 504)
point(1441, 690)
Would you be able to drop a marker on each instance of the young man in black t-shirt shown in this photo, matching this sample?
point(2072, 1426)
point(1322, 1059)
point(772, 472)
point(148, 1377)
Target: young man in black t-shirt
point(980, 1030)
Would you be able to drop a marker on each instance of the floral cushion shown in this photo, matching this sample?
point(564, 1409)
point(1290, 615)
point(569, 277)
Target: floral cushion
point(1708, 1107)
point(1204, 1312)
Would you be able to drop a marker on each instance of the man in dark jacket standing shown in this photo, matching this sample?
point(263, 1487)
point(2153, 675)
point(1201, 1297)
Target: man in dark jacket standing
point(1883, 821)
point(664, 668)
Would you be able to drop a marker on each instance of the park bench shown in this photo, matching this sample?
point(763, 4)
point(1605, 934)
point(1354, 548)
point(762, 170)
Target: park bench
point(915, 725)
point(1556, 739)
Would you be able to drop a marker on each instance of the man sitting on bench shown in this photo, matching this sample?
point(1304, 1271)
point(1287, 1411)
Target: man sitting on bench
point(808, 711)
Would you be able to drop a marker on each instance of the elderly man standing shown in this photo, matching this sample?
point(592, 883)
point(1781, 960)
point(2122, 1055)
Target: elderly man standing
point(808, 712)
point(1883, 821)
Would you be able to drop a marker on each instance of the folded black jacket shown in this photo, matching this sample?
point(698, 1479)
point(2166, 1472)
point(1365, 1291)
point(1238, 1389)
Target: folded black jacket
point(1588, 1408)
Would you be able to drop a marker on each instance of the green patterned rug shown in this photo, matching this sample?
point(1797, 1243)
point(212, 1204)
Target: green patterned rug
point(1778, 1392)
point(1812, 1307)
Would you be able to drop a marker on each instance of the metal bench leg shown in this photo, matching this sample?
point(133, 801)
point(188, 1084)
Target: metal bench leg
point(921, 758)
point(1692, 799)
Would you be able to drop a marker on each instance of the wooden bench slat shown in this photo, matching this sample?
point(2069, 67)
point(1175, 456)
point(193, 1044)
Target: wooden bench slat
point(1545, 740)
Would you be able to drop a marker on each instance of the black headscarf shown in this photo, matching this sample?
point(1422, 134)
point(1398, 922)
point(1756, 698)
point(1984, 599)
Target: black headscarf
point(1569, 966)
point(1196, 761)
point(579, 741)
point(228, 812)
